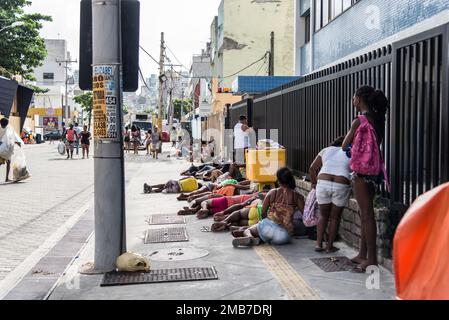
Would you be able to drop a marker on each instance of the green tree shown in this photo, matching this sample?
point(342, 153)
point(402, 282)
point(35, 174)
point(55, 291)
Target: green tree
point(125, 110)
point(85, 100)
point(21, 48)
point(185, 104)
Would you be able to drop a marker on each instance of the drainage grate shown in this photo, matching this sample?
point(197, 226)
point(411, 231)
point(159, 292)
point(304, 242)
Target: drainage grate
point(162, 235)
point(334, 264)
point(158, 276)
point(164, 219)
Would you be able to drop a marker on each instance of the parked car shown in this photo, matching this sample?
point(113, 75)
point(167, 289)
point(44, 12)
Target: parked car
point(55, 135)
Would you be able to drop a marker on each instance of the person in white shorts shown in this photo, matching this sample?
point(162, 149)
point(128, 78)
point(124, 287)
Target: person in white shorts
point(331, 177)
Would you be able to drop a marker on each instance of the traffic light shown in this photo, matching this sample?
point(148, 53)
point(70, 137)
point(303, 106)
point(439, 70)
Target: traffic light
point(130, 45)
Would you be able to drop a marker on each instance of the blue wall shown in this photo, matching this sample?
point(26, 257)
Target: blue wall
point(349, 32)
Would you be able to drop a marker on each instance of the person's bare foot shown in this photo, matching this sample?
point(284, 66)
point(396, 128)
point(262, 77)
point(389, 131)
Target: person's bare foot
point(219, 226)
point(332, 249)
point(202, 214)
point(219, 217)
point(358, 260)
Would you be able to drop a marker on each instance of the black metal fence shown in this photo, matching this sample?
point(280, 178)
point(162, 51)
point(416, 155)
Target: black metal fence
point(414, 74)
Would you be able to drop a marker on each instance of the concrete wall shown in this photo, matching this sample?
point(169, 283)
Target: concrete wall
point(57, 51)
point(369, 22)
point(246, 36)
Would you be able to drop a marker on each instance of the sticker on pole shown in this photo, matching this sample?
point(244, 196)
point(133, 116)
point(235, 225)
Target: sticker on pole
point(105, 103)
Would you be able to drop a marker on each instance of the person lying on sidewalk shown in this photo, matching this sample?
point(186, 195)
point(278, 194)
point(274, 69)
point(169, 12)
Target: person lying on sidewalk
point(232, 204)
point(212, 206)
point(228, 187)
point(174, 186)
point(278, 208)
point(247, 216)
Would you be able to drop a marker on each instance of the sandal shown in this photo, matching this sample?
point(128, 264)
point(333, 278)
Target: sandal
point(319, 249)
point(185, 213)
point(246, 242)
point(357, 269)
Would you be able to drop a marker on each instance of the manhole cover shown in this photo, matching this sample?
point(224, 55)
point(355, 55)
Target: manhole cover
point(164, 219)
point(334, 264)
point(166, 235)
point(157, 276)
point(177, 254)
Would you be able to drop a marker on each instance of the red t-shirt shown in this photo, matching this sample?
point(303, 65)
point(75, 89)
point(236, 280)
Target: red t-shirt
point(71, 135)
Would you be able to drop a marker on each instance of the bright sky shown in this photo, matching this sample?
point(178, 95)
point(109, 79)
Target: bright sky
point(186, 24)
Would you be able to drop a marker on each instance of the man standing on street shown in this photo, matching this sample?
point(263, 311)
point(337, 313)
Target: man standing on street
point(77, 143)
point(241, 140)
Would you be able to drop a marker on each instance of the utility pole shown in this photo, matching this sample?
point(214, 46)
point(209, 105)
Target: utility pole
point(271, 62)
point(110, 229)
point(161, 83)
point(65, 109)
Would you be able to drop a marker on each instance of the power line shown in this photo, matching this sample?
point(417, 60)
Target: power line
point(149, 55)
point(179, 61)
point(143, 79)
point(210, 77)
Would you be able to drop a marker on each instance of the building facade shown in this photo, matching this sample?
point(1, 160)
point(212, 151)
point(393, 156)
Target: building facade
point(52, 76)
point(329, 31)
point(240, 42)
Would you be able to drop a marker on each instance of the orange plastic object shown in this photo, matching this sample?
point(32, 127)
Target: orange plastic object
point(421, 255)
point(262, 165)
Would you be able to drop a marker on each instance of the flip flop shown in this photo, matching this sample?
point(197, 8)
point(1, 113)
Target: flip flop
point(245, 242)
point(318, 249)
point(185, 213)
point(357, 269)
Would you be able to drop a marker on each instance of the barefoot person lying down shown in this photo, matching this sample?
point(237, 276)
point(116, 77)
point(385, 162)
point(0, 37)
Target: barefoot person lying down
point(228, 187)
point(245, 217)
point(174, 186)
point(212, 205)
point(277, 214)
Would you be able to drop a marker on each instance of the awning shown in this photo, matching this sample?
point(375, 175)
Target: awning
point(8, 89)
point(24, 96)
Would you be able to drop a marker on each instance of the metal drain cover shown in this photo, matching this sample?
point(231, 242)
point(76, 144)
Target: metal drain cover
point(162, 235)
point(166, 219)
point(334, 264)
point(177, 254)
point(158, 276)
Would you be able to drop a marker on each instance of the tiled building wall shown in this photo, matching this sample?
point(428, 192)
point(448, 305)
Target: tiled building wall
point(368, 22)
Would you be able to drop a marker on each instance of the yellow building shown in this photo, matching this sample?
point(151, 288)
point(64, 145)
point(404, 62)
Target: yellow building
point(240, 35)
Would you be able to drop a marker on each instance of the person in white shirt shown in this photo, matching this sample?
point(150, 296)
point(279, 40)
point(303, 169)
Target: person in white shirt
point(331, 177)
point(241, 140)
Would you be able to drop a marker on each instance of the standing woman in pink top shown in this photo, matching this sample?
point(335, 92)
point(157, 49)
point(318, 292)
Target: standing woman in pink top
point(363, 141)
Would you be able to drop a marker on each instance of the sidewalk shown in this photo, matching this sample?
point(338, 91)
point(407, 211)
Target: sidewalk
point(258, 273)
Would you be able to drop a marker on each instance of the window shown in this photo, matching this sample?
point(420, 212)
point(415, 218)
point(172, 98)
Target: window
point(318, 15)
point(49, 76)
point(337, 8)
point(307, 28)
point(328, 10)
point(325, 9)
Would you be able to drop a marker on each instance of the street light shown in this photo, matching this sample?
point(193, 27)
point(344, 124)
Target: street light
point(13, 25)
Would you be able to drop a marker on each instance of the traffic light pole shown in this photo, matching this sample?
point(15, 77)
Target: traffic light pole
point(110, 227)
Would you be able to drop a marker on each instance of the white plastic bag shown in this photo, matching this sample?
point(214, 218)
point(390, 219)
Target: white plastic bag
point(19, 166)
point(7, 144)
point(61, 148)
